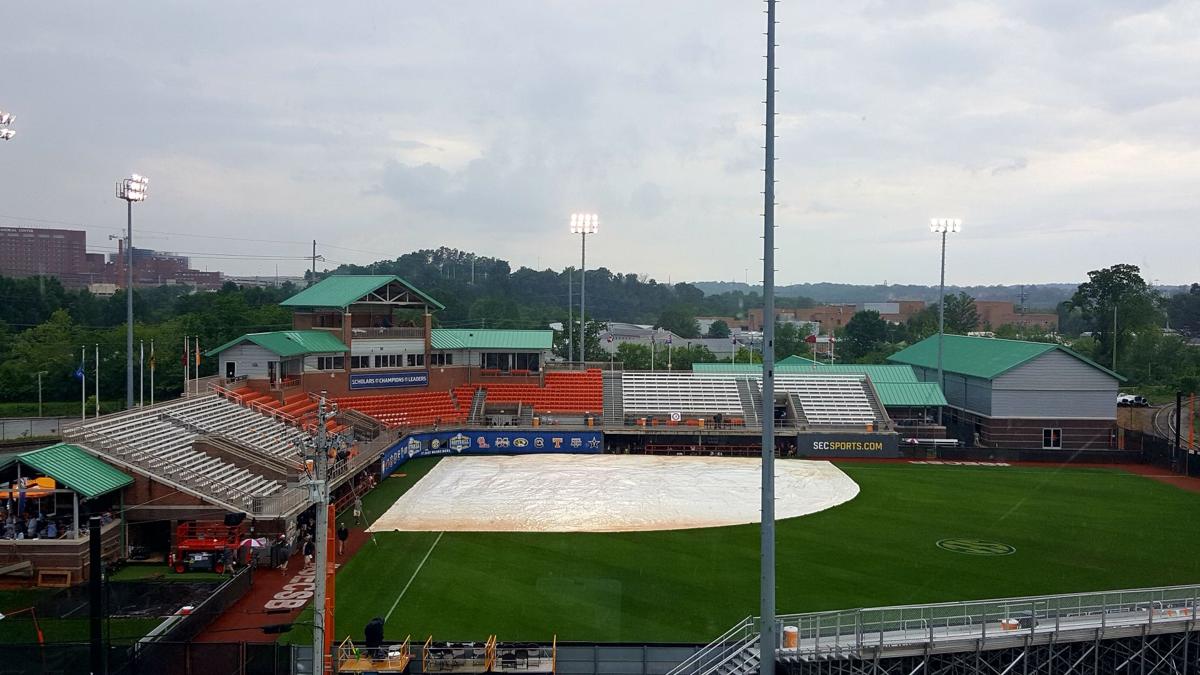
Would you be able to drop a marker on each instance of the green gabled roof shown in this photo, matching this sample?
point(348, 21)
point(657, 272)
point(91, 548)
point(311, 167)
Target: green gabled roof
point(478, 338)
point(796, 360)
point(982, 357)
point(341, 291)
point(877, 372)
point(289, 342)
point(909, 394)
point(73, 467)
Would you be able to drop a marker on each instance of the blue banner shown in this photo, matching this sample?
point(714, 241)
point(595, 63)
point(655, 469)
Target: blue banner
point(489, 443)
point(418, 378)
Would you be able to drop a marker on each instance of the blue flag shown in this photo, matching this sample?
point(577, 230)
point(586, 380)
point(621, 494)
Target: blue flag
point(78, 374)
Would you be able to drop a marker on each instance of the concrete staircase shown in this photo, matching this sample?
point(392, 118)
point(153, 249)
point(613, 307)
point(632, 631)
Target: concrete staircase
point(477, 407)
point(751, 399)
point(614, 404)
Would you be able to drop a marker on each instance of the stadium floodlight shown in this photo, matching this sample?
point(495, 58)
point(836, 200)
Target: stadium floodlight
point(942, 226)
point(132, 189)
point(583, 224)
point(5, 120)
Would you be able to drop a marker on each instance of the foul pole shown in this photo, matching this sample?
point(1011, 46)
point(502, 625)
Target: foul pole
point(767, 638)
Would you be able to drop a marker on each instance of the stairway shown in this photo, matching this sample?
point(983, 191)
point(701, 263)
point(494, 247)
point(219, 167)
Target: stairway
point(525, 415)
point(882, 421)
point(798, 417)
point(734, 653)
point(614, 404)
point(751, 399)
point(476, 416)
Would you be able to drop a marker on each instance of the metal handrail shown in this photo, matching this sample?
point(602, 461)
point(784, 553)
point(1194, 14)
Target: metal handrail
point(715, 650)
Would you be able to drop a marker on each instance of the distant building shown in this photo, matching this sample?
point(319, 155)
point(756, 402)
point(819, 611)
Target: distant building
point(28, 252)
point(996, 313)
point(832, 317)
point(735, 324)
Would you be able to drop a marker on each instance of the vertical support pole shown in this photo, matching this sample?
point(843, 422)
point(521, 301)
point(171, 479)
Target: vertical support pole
point(768, 640)
point(128, 305)
point(97, 380)
point(82, 390)
point(141, 373)
point(1175, 455)
point(582, 295)
point(570, 315)
point(152, 365)
point(941, 322)
point(95, 596)
point(313, 279)
point(187, 362)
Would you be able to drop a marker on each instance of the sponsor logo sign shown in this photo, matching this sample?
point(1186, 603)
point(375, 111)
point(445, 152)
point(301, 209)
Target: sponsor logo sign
point(486, 443)
point(969, 546)
point(418, 378)
point(848, 445)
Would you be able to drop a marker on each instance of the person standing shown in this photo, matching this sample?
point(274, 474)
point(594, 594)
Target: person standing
point(343, 533)
point(310, 549)
point(357, 509)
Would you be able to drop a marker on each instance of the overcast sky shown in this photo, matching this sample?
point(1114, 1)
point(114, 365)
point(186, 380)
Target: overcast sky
point(1066, 134)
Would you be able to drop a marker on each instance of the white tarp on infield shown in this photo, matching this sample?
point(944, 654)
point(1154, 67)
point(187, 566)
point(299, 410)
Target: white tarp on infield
point(607, 493)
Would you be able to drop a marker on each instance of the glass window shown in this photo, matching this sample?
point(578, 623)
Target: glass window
point(1052, 438)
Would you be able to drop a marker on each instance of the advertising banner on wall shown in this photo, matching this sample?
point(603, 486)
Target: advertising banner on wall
point(489, 443)
point(418, 378)
point(847, 445)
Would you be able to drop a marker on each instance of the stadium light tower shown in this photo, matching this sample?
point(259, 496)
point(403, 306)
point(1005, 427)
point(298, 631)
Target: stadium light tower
point(6, 119)
point(132, 189)
point(768, 641)
point(942, 226)
point(583, 224)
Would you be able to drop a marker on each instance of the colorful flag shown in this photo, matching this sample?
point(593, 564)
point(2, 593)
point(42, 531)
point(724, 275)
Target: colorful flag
point(151, 356)
point(197, 351)
point(78, 374)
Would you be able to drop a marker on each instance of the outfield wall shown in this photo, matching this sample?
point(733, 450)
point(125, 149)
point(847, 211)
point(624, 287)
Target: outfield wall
point(488, 442)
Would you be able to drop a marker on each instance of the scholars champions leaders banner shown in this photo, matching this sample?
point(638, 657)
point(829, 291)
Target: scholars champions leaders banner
point(488, 443)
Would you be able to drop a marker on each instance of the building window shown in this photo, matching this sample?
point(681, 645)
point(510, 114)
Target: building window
point(1052, 438)
point(360, 362)
point(331, 362)
point(416, 360)
point(441, 359)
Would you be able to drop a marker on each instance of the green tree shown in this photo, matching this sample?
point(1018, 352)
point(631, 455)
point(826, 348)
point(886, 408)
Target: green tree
point(682, 358)
point(680, 320)
point(634, 356)
point(961, 315)
point(789, 340)
point(1116, 295)
point(1183, 310)
point(922, 324)
point(718, 329)
point(865, 332)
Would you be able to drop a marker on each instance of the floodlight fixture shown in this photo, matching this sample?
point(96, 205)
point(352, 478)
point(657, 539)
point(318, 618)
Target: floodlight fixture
point(944, 225)
point(584, 223)
point(6, 118)
point(7, 134)
point(133, 189)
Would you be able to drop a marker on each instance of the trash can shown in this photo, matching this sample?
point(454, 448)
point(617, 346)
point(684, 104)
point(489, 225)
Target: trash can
point(791, 637)
point(537, 421)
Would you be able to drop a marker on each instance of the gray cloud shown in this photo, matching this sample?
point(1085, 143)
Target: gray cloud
point(412, 125)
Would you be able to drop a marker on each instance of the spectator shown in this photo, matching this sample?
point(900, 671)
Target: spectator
point(310, 549)
point(357, 509)
point(343, 533)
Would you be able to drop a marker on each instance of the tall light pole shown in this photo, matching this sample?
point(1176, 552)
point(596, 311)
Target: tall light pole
point(942, 226)
point(768, 637)
point(6, 119)
point(39, 377)
point(132, 189)
point(583, 224)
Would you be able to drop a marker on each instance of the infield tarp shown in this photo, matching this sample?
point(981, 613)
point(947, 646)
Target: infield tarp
point(607, 493)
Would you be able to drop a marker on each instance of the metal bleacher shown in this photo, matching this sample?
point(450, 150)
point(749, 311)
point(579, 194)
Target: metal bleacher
point(652, 393)
point(831, 400)
point(160, 441)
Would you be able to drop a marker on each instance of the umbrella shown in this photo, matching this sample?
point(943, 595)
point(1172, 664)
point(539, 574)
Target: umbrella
point(252, 543)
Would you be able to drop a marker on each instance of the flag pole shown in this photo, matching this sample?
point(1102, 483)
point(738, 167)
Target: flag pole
point(97, 379)
point(141, 373)
point(83, 383)
point(152, 372)
point(187, 363)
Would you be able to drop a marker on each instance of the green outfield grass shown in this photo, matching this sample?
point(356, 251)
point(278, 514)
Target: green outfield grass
point(1073, 530)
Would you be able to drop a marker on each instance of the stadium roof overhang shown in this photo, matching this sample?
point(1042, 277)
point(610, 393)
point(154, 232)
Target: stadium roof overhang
point(71, 466)
point(476, 339)
point(288, 343)
point(343, 291)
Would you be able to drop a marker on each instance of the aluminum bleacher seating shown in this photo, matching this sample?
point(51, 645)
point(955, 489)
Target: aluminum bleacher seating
point(830, 400)
point(658, 393)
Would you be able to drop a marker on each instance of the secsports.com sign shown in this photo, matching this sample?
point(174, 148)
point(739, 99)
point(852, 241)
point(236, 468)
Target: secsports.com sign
point(848, 445)
point(386, 380)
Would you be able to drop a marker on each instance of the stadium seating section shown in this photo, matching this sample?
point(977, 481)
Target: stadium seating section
point(657, 393)
point(564, 392)
point(831, 400)
point(400, 410)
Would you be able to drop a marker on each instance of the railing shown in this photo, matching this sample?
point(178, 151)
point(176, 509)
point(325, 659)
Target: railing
point(392, 332)
point(718, 651)
point(850, 632)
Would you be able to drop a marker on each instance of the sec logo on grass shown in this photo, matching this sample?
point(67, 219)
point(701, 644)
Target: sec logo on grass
point(970, 546)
